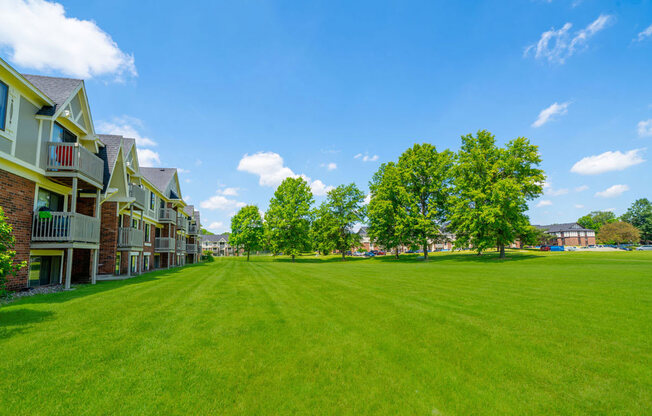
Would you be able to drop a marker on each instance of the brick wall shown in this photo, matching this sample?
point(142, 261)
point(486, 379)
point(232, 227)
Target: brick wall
point(108, 238)
point(81, 266)
point(17, 201)
point(150, 248)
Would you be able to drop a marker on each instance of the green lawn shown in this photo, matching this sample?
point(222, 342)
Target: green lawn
point(553, 333)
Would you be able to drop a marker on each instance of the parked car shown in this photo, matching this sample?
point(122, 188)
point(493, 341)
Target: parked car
point(380, 253)
point(369, 254)
point(359, 254)
point(545, 248)
point(644, 248)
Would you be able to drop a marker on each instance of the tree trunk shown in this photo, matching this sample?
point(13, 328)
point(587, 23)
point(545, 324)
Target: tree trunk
point(343, 256)
point(248, 252)
point(397, 257)
point(425, 251)
point(502, 251)
point(293, 258)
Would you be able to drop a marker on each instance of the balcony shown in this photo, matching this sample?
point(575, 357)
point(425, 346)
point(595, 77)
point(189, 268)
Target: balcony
point(72, 159)
point(181, 246)
point(192, 248)
point(182, 223)
point(129, 237)
point(140, 196)
point(193, 229)
point(65, 227)
point(167, 215)
point(163, 244)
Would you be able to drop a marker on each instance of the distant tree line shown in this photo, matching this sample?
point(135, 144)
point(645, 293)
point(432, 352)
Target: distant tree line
point(480, 193)
point(632, 227)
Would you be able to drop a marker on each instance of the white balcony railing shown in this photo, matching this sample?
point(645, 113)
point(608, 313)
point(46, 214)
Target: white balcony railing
point(182, 222)
point(73, 157)
point(192, 248)
point(140, 194)
point(130, 237)
point(193, 229)
point(65, 227)
point(181, 245)
point(167, 215)
point(164, 244)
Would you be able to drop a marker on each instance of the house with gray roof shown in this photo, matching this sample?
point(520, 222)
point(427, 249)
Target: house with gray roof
point(569, 234)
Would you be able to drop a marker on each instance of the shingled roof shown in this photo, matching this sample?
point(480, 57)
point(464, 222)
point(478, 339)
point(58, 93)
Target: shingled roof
point(560, 228)
point(209, 237)
point(159, 177)
point(109, 154)
point(57, 89)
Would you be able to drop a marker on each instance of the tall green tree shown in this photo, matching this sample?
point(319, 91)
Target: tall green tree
point(492, 187)
point(8, 265)
point(322, 225)
point(596, 219)
point(426, 178)
point(340, 212)
point(247, 229)
point(288, 217)
point(640, 216)
point(387, 217)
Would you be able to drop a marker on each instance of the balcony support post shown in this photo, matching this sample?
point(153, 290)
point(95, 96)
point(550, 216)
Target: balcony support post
point(68, 269)
point(94, 255)
point(73, 202)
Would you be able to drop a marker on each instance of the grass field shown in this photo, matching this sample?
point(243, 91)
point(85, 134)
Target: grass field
point(538, 333)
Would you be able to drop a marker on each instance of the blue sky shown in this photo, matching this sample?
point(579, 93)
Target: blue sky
point(242, 94)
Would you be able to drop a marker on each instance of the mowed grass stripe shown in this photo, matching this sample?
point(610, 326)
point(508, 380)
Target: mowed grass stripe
point(541, 333)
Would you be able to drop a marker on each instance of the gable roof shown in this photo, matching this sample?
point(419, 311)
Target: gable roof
point(208, 237)
point(159, 177)
point(112, 144)
point(559, 228)
point(57, 89)
point(363, 231)
point(189, 210)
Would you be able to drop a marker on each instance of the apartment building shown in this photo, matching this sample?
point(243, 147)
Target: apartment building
point(218, 245)
point(569, 234)
point(78, 201)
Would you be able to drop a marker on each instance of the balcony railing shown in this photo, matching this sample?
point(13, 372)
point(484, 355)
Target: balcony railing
point(192, 248)
point(193, 229)
point(167, 215)
point(182, 223)
point(164, 244)
point(73, 157)
point(181, 245)
point(70, 227)
point(140, 194)
point(130, 237)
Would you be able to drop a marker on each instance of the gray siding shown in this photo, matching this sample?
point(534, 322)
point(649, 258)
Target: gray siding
point(27, 132)
point(5, 145)
point(45, 138)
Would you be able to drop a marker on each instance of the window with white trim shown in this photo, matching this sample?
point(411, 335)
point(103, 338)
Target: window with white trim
point(4, 100)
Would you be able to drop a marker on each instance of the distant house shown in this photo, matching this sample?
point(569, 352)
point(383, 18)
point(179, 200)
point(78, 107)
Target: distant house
point(218, 245)
point(569, 234)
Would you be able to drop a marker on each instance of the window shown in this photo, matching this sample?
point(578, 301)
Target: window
point(48, 201)
point(134, 223)
point(148, 233)
point(146, 262)
point(134, 264)
point(118, 256)
point(44, 270)
point(62, 135)
point(4, 98)
point(152, 200)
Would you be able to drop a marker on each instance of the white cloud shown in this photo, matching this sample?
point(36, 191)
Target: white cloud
point(229, 191)
point(645, 33)
point(271, 171)
point(607, 162)
point(39, 35)
point(216, 226)
point(367, 200)
point(548, 114)
point(581, 188)
point(544, 203)
point(319, 189)
point(187, 199)
point(148, 158)
point(182, 170)
point(559, 45)
point(329, 166)
point(219, 202)
point(645, 128)
point(612, 191)
point(579, 206)
point(126, 126)
point(188, 180)
point(366, 157)
point(557, 192)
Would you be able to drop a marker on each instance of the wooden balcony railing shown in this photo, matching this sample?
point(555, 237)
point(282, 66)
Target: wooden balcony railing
point(164, 244)
point(192, 248)
point(73, 157)
point(130, 237)
point(49, 226)
point(181, 245)
point(140, 194)
point(193, 229)
point(167, 215)
point(182, 223)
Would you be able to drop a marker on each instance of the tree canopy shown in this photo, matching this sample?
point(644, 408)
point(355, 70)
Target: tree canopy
point(492, 187)
point(8, 266)
point(596, 219)
point(336, 217)
point(247, 229)
point(640, 216)
point(288, 217)
point(618, 232)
